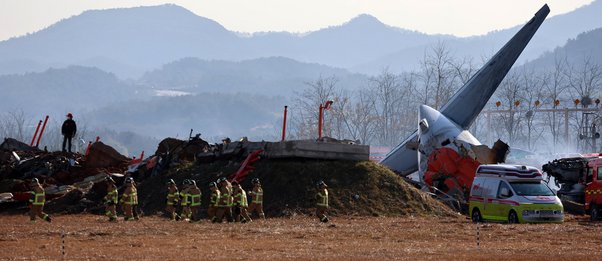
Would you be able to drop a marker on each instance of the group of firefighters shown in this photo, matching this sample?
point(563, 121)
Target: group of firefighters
point(228, 201)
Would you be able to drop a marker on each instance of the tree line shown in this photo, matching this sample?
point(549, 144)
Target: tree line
point(521, 112)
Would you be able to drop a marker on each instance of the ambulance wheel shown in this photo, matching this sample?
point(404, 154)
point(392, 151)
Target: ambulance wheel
point(594, 213)
point(512, 217)
point(476, 216)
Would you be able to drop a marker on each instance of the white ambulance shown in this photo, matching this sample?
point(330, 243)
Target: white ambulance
point(513, 193)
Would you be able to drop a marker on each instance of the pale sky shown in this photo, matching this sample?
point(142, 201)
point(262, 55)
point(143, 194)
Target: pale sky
point(458, 17)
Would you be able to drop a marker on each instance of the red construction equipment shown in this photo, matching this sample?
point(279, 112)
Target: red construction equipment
point(42, 131)
point(245, 167)
point(35, 134)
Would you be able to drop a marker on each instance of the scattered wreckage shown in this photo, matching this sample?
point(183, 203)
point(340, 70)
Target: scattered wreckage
point(61, 173)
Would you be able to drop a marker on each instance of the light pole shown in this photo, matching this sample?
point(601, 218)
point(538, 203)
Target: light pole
point(323, 106)
point(284, 123)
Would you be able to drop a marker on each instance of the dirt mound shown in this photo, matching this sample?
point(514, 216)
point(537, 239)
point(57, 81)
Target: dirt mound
point(103, 156)
point(356, 188)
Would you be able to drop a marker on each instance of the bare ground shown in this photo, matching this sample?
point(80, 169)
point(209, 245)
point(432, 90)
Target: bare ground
point(154, 238)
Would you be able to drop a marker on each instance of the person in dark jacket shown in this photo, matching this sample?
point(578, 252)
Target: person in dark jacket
point(68, 130)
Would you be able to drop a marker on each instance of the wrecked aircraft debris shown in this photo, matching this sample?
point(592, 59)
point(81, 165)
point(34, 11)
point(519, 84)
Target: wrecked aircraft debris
point(443, 152)
point(468, 102)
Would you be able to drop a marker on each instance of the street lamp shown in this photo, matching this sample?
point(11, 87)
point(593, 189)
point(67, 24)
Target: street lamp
point(323, 106)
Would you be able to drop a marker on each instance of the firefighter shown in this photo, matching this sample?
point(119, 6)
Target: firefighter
point(322, 204)
point(194, 193)
point(256, 199)
point(229, 215)
point(38, 198)
point(173, 197)
point(225, 202)
point(129, 199)
point(68, 130)
point(240, 204)
point(135, 206)
point(214, 202)
point(185, 200)
point(111, 199)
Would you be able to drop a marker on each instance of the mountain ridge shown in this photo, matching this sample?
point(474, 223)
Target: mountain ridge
point(131, 41)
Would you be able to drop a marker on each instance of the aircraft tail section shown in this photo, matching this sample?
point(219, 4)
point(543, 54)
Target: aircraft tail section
point(469, 101)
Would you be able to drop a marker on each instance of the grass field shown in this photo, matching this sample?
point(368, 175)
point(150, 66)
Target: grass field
point(375, 238)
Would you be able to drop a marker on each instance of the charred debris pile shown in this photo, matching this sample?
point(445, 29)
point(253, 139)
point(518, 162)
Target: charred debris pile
point(74, 182)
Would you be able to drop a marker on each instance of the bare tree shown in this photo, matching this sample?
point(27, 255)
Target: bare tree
point(440, 75)
point(306, 105)
point(387, 96)
point(509, 92)
point(13, 125)
point(554, 89)
point(585, 79)
point(533, 87)
point(463, 69)
point(340, 112)
point(359, 120)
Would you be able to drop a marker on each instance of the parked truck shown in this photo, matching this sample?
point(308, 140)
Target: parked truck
point(580, 182)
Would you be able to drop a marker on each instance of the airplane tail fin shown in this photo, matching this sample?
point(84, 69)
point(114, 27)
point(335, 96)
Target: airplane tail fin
point(479, 89)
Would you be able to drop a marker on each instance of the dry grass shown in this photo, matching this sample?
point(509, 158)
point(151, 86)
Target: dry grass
point(153, 238)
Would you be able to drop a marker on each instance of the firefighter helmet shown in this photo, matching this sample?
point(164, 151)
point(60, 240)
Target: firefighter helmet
point(321, 184)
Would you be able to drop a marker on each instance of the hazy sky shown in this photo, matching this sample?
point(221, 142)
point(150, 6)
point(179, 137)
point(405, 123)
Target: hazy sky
point(458, 17)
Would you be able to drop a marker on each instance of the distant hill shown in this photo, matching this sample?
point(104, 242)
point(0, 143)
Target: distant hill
point(268, 76)
point(212, 114)
point(239, 95)
point(360, 40)
point(130, 41)
point(136, 38)
point(554, 32)
point(61, 90)
point(585, 45)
